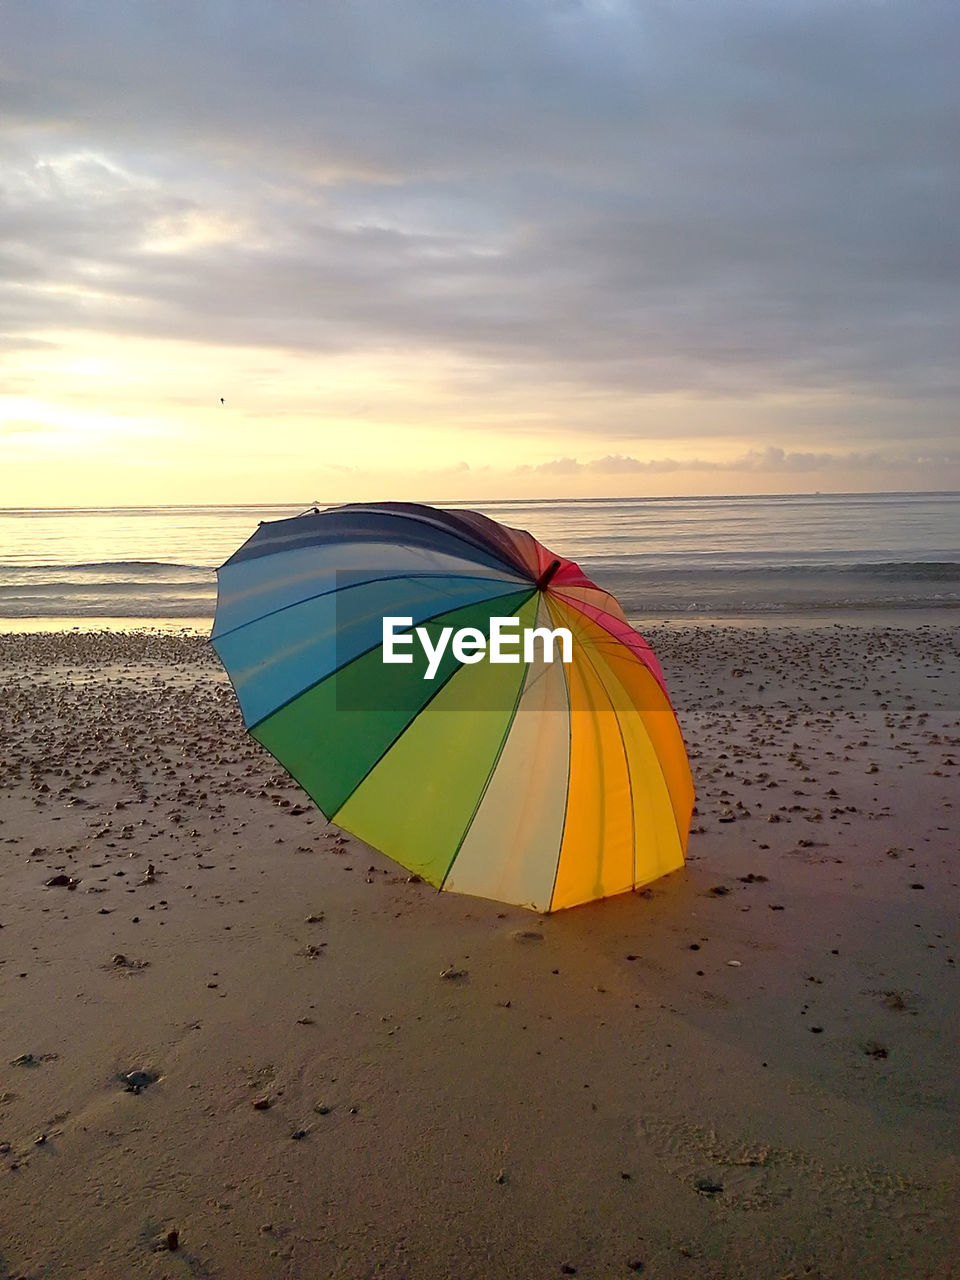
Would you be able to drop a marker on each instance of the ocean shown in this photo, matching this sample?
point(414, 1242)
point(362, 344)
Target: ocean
point(814, 555)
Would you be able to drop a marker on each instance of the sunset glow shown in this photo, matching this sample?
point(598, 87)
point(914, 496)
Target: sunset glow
point(631, 272)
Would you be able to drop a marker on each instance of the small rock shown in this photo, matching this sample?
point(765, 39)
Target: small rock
point(452, 975)
point(137, 1081)
point(171, 1242)
point(708, 1187)
point(61, 881)
point(874, 1050)
point(261, 1104)
point(298, 1134)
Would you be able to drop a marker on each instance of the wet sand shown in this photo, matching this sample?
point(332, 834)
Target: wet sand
point(228, 1048)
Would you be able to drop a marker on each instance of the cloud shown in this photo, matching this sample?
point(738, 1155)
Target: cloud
point(556, 467)
point(772, 458)
point(741, 199)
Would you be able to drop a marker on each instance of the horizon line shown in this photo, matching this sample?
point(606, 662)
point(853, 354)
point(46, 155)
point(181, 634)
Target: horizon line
point(538, 501)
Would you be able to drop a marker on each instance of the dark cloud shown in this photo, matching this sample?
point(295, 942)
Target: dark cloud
point(727, 199)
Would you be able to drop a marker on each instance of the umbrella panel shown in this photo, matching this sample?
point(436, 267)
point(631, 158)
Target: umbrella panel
point(418, 802)
point(511, 849)
point(330, 736)
point(273, 659)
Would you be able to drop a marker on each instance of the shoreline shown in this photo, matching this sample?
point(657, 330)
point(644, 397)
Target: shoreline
point(941, 616)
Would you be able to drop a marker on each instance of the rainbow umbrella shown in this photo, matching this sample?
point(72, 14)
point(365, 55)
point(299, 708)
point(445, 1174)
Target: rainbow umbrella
point(531, 780)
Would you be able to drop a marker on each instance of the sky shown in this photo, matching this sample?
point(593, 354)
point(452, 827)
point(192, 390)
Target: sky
point(451, 249)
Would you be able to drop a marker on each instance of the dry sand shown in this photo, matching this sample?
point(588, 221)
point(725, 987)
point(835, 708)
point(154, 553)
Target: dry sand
point(748, 1070)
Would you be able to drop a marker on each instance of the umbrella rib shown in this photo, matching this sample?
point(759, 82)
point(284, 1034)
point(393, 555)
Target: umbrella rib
point(636, 658)
point(356, 657)
point(593, 712)
point(472, 539)
point(392, 577)
point(574, 604)
point(626, 758)
point(566, 794)
point(477, 545)
point(656, 753)
point(396, 738)
point(331, 817)
point(287, 769)
point(493, 768)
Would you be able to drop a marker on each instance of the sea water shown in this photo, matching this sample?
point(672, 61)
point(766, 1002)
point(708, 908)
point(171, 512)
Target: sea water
point(664, 558)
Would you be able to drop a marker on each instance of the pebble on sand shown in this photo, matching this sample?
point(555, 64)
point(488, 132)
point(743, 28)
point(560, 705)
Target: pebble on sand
point(169, 1242)
point(708, 1186)
point(61, 881)
point(138, 1080)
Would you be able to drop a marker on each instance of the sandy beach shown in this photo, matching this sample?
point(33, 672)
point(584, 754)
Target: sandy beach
point(238, 1044)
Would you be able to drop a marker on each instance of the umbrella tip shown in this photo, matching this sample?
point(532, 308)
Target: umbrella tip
point(547, 574)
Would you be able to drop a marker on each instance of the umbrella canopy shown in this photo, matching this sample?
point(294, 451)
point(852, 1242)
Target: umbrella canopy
point(531, 780)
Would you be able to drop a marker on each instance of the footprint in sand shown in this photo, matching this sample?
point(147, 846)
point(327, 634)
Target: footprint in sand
point(734, 1176)
point(755, 1176)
